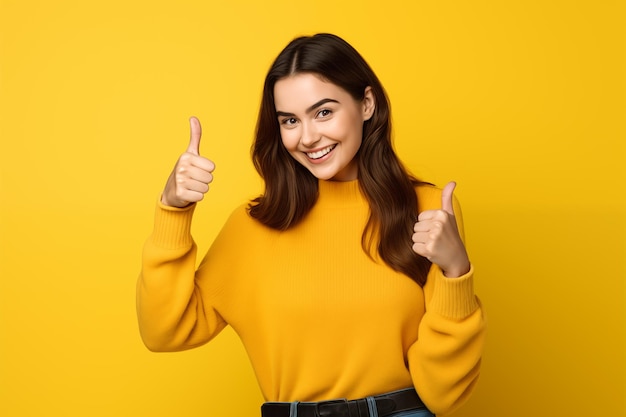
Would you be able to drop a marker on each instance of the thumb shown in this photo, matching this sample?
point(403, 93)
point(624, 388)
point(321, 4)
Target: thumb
point(446, 198)
point(196, 133)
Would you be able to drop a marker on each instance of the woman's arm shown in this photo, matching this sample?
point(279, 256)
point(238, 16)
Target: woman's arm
point(445, 360)
point(170, 307)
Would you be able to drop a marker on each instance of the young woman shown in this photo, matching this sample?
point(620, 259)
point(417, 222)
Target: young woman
point(347, 280)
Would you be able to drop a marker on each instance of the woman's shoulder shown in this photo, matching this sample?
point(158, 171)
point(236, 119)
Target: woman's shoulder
point(241, 219)
point(240, 214)
point(239, 225)
point(428, 196)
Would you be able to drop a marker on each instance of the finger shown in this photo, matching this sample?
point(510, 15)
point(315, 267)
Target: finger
point(423, 226)
point(202, 163)
point(196, 133)
point(189, 196)
point(426, 215)
point(196, 186)
point(432, 216)
point(446, 198)
point(421, 249)
point(420, 237)
point(198, 174)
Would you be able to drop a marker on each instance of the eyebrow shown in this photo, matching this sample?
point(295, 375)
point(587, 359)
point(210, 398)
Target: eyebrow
point(310, 109)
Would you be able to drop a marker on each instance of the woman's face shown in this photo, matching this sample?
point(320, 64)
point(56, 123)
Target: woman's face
point(321, 125)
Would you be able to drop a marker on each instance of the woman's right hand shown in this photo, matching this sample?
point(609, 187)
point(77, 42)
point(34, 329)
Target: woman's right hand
point(190, 179)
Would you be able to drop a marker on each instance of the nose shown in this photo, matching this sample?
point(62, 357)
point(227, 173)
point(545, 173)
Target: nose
point(310, 135)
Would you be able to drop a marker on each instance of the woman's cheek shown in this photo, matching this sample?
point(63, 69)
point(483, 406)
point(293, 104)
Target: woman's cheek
point(290, 139)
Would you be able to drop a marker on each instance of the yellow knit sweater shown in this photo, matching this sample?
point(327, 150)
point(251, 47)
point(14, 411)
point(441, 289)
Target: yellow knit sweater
point(319, 319)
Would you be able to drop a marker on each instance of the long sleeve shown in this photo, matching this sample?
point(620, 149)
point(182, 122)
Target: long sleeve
point(445, 360)
point(171, 311)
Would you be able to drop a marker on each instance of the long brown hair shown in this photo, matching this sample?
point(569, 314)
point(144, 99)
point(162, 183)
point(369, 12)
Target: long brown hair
point(291, 190)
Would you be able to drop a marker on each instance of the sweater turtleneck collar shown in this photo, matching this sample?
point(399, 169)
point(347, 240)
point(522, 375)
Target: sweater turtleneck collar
point(340, 193)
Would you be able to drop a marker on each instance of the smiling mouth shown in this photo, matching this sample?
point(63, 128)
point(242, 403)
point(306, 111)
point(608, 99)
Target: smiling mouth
point(321, 153)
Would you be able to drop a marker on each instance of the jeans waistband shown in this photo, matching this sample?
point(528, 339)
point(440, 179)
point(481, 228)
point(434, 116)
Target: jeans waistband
point(375, 406)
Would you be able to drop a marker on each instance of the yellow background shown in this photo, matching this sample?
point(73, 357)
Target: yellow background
point(522, 102)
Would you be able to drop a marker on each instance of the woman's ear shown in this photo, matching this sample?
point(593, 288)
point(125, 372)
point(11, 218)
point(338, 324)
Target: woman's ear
point(369, 103)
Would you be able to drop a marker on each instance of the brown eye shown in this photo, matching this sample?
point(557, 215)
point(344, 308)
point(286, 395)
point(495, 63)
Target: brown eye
point(288, 123)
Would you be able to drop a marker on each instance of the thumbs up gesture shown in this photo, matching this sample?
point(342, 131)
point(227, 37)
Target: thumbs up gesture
point(190, 179)
point(436, 237)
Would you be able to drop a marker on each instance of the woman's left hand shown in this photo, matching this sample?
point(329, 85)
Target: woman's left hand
point(436, 237)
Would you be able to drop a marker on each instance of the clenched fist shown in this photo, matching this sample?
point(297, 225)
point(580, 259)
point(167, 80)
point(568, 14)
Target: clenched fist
point(436, 237)
point(190, 179)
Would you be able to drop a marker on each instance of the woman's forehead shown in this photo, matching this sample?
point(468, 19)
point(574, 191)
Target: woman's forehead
point(302, 90)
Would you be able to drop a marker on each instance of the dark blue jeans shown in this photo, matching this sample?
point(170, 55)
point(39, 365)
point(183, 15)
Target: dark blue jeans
point(413, 413)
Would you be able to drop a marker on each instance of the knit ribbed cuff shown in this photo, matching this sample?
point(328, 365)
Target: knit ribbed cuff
point(172, 226)
point(454, 297)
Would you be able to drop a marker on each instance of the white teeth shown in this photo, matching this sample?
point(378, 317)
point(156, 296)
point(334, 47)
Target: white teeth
point(319, 154)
